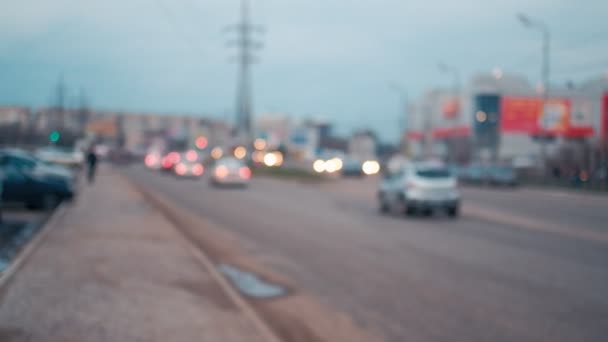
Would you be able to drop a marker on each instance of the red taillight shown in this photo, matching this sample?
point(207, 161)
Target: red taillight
point(198, 170)
point(245, 172)
point(166, 163)
point(174, 157)
point(181, 169)
point(191, 155)
point(151, 160)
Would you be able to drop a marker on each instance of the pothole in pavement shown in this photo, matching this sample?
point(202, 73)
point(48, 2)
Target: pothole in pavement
point(249, 284)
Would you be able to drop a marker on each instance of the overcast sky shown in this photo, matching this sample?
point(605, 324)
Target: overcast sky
point(322, 58)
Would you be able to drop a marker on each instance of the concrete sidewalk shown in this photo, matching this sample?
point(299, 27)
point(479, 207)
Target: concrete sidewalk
point(113, 269)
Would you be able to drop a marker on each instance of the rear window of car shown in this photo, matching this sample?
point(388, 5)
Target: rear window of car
point(230, 162)
point(433, 173)
point(503, 171)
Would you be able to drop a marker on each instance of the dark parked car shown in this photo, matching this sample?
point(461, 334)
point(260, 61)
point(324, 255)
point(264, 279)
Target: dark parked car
point(474, 174)
point(35, 191)
point(502, 175)
point(1, 186)
point(26, 162)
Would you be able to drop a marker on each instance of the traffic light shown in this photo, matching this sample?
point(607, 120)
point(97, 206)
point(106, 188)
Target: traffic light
point(54, 136)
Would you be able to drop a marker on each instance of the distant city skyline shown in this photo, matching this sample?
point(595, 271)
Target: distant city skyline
point(332, 60)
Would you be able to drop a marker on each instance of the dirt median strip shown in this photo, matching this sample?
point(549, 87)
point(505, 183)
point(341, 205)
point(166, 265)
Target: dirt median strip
point(297, 316)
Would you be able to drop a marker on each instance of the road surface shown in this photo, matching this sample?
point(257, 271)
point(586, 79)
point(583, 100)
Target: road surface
point(519, 265)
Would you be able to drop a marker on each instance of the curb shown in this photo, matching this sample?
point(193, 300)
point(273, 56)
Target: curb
point(7, 275)
point(237, 299)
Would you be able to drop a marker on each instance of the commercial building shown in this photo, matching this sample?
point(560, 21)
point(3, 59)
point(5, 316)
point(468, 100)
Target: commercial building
point(362, 146)
point(500, 117)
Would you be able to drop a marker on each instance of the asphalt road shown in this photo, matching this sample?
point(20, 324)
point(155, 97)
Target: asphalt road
point(519, 265)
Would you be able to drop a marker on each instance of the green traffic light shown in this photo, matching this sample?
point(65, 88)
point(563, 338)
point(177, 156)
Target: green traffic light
point(54, 136)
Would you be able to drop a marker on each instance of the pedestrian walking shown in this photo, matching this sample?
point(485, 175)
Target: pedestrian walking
point(91, 164)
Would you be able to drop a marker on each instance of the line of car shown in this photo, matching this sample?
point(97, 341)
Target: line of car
point(26, 179)
point(347, 167)
point(479, 174)
point(193, 164)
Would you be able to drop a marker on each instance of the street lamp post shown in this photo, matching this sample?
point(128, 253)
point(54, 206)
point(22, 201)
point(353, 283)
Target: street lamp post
point(545, 74)
point(450, 69)
point(403, 107)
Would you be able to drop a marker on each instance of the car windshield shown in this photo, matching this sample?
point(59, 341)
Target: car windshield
point(433, 172)
point(503, 171)
point(21, 161)
point(230, 163)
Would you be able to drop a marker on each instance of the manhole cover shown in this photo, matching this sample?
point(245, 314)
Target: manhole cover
point(250, 284)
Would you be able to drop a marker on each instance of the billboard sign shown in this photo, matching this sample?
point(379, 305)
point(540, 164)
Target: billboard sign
point(555, 117)
point(581, 118)
point(519, 115)
point(528, 115)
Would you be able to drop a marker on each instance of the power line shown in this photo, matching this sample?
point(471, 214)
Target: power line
point(178, 28)
point(246, 45)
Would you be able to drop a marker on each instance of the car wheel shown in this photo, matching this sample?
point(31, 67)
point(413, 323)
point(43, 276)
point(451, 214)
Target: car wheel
point(49, 202)
point(409, 211)
point(427, 212)
point(403, 207)
point(453, 212)
point(383, 207)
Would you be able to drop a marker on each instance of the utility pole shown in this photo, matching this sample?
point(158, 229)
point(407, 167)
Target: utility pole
point(403, 115)
point(456, 100)
point(245, 45)
point(83, 111)
point(545, 72)
point(59, 117)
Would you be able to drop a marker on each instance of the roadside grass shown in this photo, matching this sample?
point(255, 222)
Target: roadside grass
point(289, 174)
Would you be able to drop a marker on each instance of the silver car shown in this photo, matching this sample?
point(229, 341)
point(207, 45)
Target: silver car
point(420, 187)
point(230, 171)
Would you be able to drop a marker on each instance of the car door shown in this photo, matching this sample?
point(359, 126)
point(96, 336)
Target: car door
point(16, 187)
point(394, 187)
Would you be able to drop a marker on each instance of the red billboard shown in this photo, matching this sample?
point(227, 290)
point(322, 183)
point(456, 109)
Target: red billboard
point(519, 114)
point(527, 115)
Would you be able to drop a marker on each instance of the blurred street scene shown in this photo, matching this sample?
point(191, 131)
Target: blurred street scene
point(256, 171)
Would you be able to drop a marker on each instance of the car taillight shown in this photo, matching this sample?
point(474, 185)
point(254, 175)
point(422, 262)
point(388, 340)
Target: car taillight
point(181, 169)
point(166, 163)
point(191, 155)
point(221, 171)
point(245, 172)
point(198, 169)
point(174, 157)
point(150, 160)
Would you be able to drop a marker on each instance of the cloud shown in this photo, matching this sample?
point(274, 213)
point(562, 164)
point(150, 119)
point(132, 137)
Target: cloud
point(331, 57)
